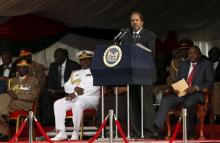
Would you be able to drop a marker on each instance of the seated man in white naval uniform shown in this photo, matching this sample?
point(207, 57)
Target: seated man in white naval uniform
point(81, 95)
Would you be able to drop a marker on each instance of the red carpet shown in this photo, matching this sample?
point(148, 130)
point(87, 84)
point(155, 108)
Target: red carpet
point(208, 131)
point(133, 141)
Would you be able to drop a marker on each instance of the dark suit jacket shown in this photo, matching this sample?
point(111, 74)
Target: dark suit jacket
point(217, 73)
point(53, 74)
point(203, 76)
point(12, 73)
point(147, 38)
point(12, 70)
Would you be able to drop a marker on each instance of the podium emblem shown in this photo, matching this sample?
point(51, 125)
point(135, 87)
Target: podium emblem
point(112, 56)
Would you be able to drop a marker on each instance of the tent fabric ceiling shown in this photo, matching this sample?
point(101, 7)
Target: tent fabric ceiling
point(159, 15)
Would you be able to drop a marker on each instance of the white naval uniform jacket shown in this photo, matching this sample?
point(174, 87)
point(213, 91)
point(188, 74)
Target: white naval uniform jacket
point(84, 79)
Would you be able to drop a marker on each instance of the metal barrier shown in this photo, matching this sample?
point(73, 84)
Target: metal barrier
point(30, 117)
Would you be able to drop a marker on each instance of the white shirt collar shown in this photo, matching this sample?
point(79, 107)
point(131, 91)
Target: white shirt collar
point(64, 64)
point(22, 77)
point(138, 32)
point(10, 65)
point(191, 64)
point(215, 64)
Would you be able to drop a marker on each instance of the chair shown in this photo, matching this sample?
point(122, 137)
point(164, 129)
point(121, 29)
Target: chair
point(20, 115)
point(201, 112)
point(87, 112)
point(215, 102)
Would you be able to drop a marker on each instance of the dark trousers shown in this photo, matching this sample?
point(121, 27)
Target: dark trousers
point(135, 110)
point(46, 107)
point(168, 102)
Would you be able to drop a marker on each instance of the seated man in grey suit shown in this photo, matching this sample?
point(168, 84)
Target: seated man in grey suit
point(198, 73)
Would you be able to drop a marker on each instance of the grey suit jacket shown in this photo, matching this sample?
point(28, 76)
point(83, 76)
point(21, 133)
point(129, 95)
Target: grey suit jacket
point(204, 75)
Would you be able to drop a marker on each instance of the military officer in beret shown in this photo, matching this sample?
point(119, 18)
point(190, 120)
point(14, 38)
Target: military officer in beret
point(81, 95)
point(22, 91)
point(35, 69)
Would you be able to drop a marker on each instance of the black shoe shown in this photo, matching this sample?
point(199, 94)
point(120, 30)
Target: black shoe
point(135, 135)
point(157, 134)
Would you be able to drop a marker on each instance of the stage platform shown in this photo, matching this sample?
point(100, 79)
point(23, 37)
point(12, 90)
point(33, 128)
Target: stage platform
point(91, 131)
point(130, 141)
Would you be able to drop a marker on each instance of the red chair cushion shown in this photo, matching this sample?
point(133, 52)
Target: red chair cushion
point(17, 113)
point(87, 111)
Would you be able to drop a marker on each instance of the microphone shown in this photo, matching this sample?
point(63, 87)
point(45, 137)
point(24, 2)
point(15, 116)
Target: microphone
point(126, 30)
point(119, 34)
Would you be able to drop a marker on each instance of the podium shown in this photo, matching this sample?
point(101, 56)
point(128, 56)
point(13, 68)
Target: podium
point(126, 65)
point(136, 67)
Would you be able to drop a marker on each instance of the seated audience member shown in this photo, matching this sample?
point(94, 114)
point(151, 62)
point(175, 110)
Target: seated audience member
point(178, 56)
point(59, 73)
point(214, 56)
point(22, 91)
point(7, 69)
point(35, 69)
point(198, 73)
point(109, 104)
point(81, 94)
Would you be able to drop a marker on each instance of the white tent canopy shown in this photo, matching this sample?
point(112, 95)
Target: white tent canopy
point(72, 43)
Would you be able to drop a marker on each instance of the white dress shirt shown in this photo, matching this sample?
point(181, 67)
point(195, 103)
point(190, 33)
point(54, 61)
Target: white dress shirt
point(137, 32)
point(6, 72)
point(215, 64)
point(191, 68)
point(62, 73)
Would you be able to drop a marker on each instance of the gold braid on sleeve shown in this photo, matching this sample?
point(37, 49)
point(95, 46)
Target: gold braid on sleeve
point(9, 84)
point(174, 67)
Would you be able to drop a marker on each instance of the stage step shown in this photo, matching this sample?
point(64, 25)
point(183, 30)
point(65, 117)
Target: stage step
point(87, 131)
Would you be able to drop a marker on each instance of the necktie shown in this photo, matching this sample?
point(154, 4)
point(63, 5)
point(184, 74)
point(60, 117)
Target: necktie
point(135, 36)
point(190, 77)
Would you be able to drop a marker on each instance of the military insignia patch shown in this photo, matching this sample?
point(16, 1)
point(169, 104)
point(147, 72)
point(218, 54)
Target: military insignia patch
point(112, 56)
point(76, 81)
point(24, 87)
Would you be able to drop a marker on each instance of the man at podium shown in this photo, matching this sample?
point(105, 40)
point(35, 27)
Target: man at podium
point(140, 35)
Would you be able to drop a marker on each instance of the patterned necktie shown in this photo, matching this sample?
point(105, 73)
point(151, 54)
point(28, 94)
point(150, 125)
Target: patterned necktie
point(135, 36)
point(190, 77)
